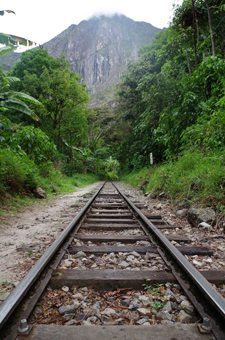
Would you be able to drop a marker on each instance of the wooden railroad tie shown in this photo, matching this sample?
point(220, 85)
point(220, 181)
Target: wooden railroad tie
point(96, 249)
point(127, 238)
point(110, 278)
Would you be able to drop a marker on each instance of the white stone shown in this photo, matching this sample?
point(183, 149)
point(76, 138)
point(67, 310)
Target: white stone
point(169, 293)
point(170, 222)
point(130, 258)
point(144, 299)
point(205, 225)
point(167, 307)
point(3, 295)
point(68, 309)
point(144, 243)
point(92, 319)
point(124, 264)
point(209, 260)
point(79, 254)
point(183, 317)
point(67, 263)
point(70, 322)
point(165, 315)
point(94, 265)
point(111, 255)
point(141, 321)
point(149, 256)
point(134, 253)
point(144, 311)
point(109, 311)
point(87, 323)
point(65, 289)
point(182, 213)
point(197, 263)
point(78, 296)
point(187, 306)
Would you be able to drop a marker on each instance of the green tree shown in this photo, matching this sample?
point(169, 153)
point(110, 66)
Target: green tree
point(177, 85)
point(59, 89)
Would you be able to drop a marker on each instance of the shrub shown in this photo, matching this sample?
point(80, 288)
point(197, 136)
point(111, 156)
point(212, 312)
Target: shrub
point(139, 178)
point(111, 168)
point(207, 134)
point(35, 143)
point(17, 172)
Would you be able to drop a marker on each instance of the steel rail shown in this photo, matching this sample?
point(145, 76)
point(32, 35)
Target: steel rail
point(13, 300)
point(197, 278)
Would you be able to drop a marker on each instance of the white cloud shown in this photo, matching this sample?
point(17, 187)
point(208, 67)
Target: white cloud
point(41, 20)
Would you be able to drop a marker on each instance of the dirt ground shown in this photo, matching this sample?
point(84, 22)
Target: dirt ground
point(24, 236)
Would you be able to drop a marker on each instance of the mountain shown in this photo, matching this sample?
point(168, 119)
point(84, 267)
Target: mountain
point(99, 49)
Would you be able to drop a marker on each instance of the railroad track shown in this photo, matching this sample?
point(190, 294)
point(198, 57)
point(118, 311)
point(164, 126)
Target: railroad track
point(113, 269)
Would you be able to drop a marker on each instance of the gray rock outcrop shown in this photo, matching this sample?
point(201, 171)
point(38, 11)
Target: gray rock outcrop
point(99, 49)
point(197, 215)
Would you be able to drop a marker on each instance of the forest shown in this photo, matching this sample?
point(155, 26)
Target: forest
point(170, 103)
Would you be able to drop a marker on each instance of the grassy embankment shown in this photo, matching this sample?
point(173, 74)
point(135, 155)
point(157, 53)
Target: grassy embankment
point(194, 176)
point(58, 184)
point(19, 176)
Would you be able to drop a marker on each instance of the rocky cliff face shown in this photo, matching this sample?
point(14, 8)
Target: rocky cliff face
point(99, 49)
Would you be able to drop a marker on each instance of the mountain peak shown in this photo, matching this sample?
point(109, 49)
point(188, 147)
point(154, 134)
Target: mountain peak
point(100, 48)
point(112, 16)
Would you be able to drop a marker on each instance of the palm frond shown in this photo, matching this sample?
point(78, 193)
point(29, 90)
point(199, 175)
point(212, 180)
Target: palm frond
point(12, 79)
point(17, 105)
point(26, 98)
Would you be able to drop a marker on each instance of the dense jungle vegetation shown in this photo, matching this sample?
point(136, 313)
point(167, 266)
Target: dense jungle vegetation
point(170, 103)
point(45, 130)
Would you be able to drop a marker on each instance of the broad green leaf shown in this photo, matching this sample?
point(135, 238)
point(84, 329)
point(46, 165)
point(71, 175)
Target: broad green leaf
point(16, 105)
point(27, 98)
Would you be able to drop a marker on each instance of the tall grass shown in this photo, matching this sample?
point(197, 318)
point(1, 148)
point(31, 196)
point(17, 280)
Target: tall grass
point(138, 178)
point(194, 176)
point(19, 176)
point(53, 180)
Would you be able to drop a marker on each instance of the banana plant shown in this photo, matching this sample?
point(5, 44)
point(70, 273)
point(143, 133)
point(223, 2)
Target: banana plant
point(15, 101)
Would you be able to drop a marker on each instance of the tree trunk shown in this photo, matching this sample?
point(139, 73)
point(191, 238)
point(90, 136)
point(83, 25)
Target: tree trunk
point(210, 29)
point(188, 62)
point(195, 28)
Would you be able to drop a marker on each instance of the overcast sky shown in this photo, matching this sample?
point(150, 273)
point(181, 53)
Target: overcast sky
point(41, 20)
